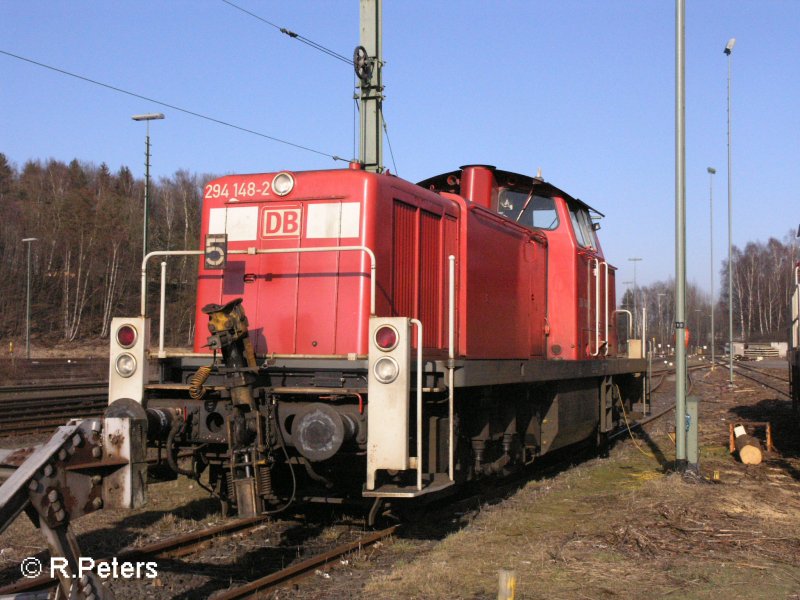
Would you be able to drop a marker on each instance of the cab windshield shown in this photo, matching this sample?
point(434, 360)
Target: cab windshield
point(529, 210)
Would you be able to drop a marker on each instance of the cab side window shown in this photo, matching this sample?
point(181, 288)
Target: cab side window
point(582, 226)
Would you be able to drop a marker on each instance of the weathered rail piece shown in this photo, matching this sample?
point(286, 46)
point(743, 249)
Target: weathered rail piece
point(303, 568)
point(173, 547)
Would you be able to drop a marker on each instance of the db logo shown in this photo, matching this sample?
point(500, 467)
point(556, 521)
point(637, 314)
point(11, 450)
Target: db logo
point(281, 222)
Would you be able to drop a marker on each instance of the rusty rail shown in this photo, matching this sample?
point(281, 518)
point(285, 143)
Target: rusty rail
point(303, 568)
point(173, 547)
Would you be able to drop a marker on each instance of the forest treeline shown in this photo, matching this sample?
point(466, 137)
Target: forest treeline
point(86, 262)
point(763, 284)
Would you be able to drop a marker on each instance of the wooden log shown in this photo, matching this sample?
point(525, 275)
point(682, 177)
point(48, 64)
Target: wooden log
point(748, 447)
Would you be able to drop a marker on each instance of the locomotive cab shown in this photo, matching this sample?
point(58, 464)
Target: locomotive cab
point(580, 284)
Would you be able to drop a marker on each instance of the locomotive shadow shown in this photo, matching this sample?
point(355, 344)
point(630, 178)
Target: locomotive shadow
point(442, 517)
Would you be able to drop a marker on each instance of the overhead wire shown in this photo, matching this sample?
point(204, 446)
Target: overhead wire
point(172, 106)
point(293, 35)
point(388, 141)
point(327, 51)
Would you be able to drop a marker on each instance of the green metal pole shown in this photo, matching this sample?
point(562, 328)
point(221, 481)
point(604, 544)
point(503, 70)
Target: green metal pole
point(371, 107)
point(728, 50)
point(680, 237)
point(692, 444)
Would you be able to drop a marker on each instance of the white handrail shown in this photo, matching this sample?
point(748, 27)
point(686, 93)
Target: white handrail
point(163, 310)
point(253, 251)
point(605, 293)
point(451, 368)
point(596, 271)
point(797, 293)
point(630, 319)
point(644, 328)
point(418, 323)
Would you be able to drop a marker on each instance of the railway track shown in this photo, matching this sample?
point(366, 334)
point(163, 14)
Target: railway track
point(768, 380)
point(303, 568)
point(186, 545)
point(191, 543)
point(196, 542)
point(27, 409)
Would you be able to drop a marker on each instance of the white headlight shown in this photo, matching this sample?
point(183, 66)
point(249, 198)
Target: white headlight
point(126, 364)
point(282, 184)
point(386, 369)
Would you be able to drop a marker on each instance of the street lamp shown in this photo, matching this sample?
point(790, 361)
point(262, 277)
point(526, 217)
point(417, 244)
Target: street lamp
point(147, 118)
point(28, 241)
point(711, 172)
point(634, 260)
point(661, 333)
point(728, 50)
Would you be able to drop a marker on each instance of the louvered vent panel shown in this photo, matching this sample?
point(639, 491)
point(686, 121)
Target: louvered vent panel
point(403, 273)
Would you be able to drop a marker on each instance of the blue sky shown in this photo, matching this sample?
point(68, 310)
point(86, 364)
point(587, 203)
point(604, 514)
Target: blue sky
point(584, 90)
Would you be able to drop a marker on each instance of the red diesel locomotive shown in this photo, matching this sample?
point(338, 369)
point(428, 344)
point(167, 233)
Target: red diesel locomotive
point(371, 338)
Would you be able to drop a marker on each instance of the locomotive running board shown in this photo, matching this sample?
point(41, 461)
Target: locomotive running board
point(440, 482)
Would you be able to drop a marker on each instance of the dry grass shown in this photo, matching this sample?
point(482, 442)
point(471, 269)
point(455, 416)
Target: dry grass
point(616, 528)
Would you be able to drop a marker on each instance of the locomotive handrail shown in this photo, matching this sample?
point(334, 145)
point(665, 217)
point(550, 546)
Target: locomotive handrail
point(418, 323)
point(250, 251)
point(797, 295)
point(630, 319)
point(451, 318)
point(605, 305)
point(596, 270)
point(597, 264)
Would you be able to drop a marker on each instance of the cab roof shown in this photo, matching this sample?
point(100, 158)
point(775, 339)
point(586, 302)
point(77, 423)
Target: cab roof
point(451, 182)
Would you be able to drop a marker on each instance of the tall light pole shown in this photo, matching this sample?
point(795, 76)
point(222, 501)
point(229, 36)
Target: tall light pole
point(146, 118)
point(634, 260)
point(681, 425)
point(728, 50)
point(28, 241)
point(711, 172)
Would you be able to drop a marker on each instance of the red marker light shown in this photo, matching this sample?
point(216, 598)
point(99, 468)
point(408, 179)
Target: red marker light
point(386, 338)
point(126, 336)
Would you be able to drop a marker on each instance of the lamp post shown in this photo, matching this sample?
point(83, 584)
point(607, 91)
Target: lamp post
point(661, 334)
point(711, 172)
point(728, 50)
point(682, 426)
point(28, 241)
point(634, 260)
point(146, 118)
